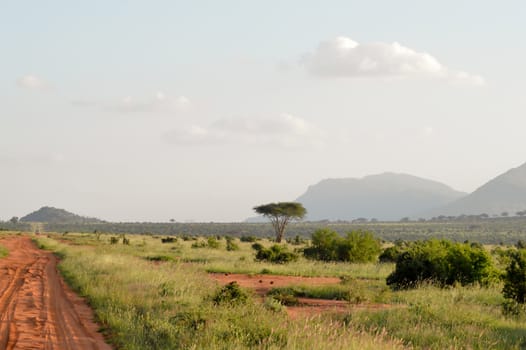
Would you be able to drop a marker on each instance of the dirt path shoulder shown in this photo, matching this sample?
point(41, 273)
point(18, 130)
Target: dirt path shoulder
point(37, 309)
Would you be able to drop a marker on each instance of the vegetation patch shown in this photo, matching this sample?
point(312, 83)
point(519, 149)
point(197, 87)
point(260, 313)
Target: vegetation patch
point(356, 246)
point(171, 306)
point(335, 292)
point(231, 293)
point(169, 240)
point(442, 263)
point(277, 254)
point(3, 252)
point(162, 258)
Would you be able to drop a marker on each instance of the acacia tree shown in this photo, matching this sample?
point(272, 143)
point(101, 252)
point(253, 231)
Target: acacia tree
point(280, 214)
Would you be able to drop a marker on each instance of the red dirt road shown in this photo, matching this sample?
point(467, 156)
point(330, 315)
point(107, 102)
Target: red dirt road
point(37, 309)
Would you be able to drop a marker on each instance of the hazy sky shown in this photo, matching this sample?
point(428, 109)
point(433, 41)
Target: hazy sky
point(200, 110)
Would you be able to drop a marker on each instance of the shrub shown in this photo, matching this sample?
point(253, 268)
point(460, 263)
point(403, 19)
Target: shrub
point(231, 245)
point(277, 254)
point(356, 246)
point(212, 242)
point(442, 263)
point(199, 244)
point(390, 254)
point(512, 308)
point(324, 245)
point(515, 277)
point(169, 240)
point(257, 246)
point(159, 258)
point(230, 294)
point(359, 246)
point(250, 239)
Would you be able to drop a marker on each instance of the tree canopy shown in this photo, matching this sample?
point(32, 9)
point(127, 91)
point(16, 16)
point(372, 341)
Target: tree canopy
point(280, 214)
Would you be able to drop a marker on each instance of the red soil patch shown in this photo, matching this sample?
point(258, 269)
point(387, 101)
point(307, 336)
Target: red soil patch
point(37, 309)
point(262, 284)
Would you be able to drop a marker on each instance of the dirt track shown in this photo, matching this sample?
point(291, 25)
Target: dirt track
point(37, 310)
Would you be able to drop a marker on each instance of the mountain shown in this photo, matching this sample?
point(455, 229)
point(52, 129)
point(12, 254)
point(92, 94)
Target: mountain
point(57, 216)
point(505, 193)
point(386, 196)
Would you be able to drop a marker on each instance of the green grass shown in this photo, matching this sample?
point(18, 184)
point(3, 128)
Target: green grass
point(143, 304)
point(460, 317)
point(3, 252)
point(354, 291)
point(220, 260)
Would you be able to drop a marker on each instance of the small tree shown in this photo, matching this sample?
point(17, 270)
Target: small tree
point(280, 214)
point(14, 220)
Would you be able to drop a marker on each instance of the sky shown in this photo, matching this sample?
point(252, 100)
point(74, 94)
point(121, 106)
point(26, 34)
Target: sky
point(200, 110)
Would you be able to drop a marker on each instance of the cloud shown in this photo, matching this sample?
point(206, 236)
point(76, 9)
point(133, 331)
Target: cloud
point(343, 57)
point(428, 131)
point(159, 102)
point(284, 130)
point(30, 81)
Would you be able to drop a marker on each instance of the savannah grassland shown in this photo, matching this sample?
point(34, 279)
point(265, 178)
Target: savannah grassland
point(150, 295)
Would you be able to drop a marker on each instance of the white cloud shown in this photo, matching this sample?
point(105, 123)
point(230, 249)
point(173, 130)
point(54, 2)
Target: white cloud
point(344, 57)
point(428, 131)
point(159, 102)
point(30, 81)
point(284, 130)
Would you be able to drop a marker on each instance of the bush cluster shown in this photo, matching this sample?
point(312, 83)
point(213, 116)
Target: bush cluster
point(356, 246)
point(442, 263)
point(278, 254)
point(231, 293)
point(515, 277)
point(250, 239)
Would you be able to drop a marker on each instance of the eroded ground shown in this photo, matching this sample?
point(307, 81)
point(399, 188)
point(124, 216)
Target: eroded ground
point(262, 284)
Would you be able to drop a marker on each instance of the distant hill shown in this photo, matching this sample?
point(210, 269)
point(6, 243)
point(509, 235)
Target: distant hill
point(505, 193)
point(58, 216)
point(386, 196)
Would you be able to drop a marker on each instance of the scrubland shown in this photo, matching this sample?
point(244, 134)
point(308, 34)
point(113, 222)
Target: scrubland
point(153, 295)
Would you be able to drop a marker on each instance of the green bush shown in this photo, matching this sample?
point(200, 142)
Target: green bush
point(324, 245)
point(515, 277)
point(250, 239)
point(169, 239)
point(359, 247)
point(230, 294)
point(356, 246)
point(212, 242)
point(277, 254)
point(159, 258)
point(390, 254)
point(441, 263)
point(199, 244)
point(231, 245)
